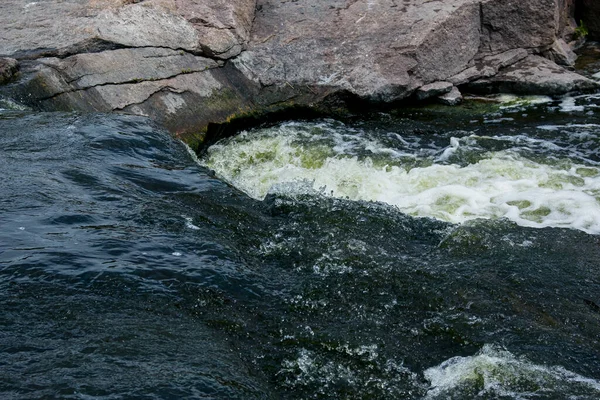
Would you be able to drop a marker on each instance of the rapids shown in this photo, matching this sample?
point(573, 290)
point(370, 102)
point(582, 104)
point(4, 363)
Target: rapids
point(428, 253)
point(455, 176)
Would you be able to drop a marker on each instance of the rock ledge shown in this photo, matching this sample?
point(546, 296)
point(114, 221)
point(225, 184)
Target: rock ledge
point(191, 63)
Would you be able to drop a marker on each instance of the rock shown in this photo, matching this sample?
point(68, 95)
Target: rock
point(488, 66)
point(536, 75)
point(472, 73)
point(562, 54)
point(348, 46)
point(182, 102)
point(127, 66)
point(146, 66)
point(505, 59)
point(566, 19)
point(452, 98)
point(511, 24)
point(433, 89)
point(154, 57)
point(223, 25)
point(190, 63)
point(57, 28)
point(8, 69)
point(451, 44)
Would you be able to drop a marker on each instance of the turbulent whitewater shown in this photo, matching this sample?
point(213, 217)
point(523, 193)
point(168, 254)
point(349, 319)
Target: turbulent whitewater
point(544, 180)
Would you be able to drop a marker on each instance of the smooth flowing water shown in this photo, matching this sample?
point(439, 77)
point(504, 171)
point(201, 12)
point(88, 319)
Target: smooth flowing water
point(425, 254)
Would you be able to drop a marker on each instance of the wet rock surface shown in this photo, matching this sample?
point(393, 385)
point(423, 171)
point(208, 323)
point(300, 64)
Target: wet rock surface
point(188, 63)
point(8, 69)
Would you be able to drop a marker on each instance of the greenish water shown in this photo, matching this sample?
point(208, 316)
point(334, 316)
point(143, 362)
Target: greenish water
point(537, 176)
point(420, 254)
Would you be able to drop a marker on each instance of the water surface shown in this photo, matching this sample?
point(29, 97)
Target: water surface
point(418, 255)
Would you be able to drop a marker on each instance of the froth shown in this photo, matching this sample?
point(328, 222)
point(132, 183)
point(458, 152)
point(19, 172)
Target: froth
point(493, 185)
point(496, 372)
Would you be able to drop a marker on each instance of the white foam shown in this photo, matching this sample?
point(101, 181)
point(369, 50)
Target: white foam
point(509, 101)
point(497, 372)
point(325, 370)
point(568, 126)
point(568, 105)
point(497, 120)
point(501, 185)
point(189, 224)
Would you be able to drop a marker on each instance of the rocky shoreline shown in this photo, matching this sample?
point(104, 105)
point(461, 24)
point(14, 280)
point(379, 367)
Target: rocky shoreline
point(191, 63)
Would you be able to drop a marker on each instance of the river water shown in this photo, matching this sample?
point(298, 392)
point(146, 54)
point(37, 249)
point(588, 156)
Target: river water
point(434, 253)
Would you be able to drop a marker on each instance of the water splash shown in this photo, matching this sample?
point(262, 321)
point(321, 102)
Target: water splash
point(497, 373)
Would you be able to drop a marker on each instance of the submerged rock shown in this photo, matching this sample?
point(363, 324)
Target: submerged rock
point(8, 69)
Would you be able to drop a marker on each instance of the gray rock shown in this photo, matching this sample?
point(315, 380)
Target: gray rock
point(29, 28)
point(223, 26)
point(165, 58)
point(562, 54)
point(534, 75)
point(488, 66)
point(433, 89)
point(566, 19)
point(452, 98)
point(348, 46)
point(127, 66)
point(56, 27)
point(505, 59)
point(473, 73)
point(511, 24)
point(8, 69)
point(138, 25)
point(441, 54)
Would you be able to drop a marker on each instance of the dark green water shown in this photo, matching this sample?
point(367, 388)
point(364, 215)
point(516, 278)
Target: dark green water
point(127, 270)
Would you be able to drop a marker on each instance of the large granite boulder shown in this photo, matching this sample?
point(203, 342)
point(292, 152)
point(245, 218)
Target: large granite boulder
point(384, 50)
point(189, 63)
point(218, 28)
point(380, 51)
point(143, 57)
